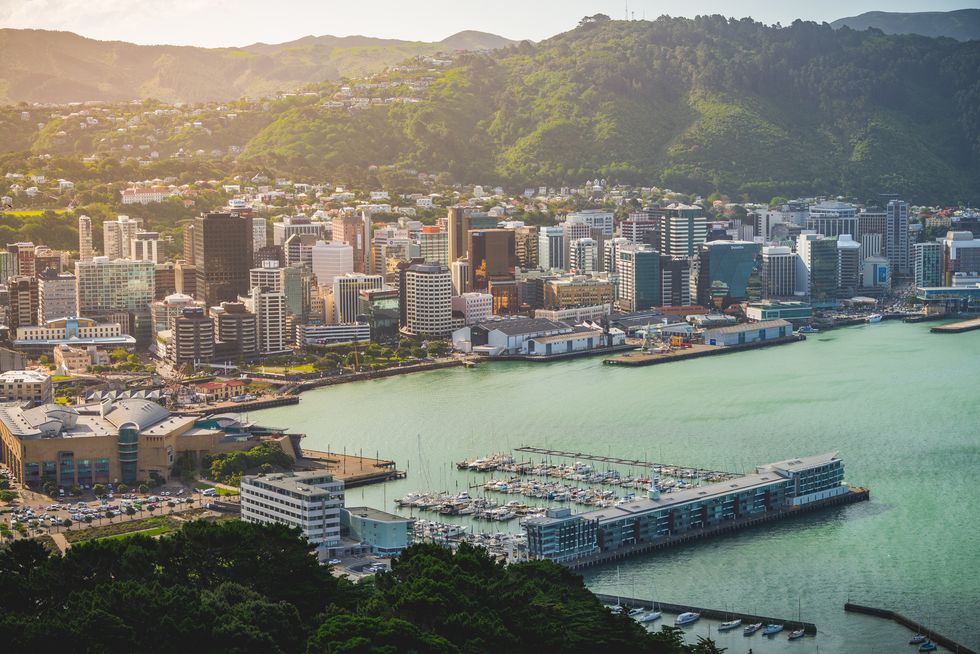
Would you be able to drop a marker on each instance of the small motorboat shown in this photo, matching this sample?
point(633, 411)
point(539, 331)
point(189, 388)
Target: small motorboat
point(647, 616)
point(875, 318)
point(687, 618)
point(809, 329)
point(917, 639)
point(751, 629)
point(772, 629)
point(927, 646)
point(728, 626)
point(796, 635)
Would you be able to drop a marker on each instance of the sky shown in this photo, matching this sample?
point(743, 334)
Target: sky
point(215, 23)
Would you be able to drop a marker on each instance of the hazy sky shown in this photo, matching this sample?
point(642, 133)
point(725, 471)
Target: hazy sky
point(241, 22)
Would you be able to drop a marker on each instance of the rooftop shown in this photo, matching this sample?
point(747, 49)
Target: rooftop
point(750, 327)
point(376, 514)
point(523, 326)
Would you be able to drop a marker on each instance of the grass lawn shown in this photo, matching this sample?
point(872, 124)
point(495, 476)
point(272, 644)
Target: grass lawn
point(60, 378)
point(154, 531)
point(221, 491)
point(165, 522)
point(31, 213)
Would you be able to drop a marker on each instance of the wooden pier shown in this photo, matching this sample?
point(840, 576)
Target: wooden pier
point(353, 470)
point(715, 614)
point(695, 351)
point(957, 327)
point(916, 627)
point(634, 463)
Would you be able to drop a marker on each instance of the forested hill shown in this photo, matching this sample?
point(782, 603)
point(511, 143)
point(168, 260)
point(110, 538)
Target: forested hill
point(695, 104)
point(962, 24)
point(46, 66)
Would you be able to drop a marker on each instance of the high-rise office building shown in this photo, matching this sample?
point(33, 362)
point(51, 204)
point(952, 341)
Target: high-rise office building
point(848, 266)
point(106, 287)
point(778, 272)
point(597, 219)
point(492, 257)
point(237, 328)
point(191, 337)
point(897, 236)
point(584, 256)
point(459, 221)
point(347, 293)
point(683, 228)
point(223, 256)
point(289, 225)
point(260, 234)
point(641, 227)
point(928, 258)
point(872, 220)
point(573, 228)
point(526, 247)
point(725, 273)
point(189, 230)
point(185, 278)
point(163, 312)
point(475, 307)
point(351, 230)
point(23, 301)
point(117, 236)
point(164, 280)
point(833, 218)
point(577, 291)
point(24, 258)
point(871, 245)
point(675, 281)
point(961, 254)
point(816, 273)
point(460, 276)
point(639, 278)
point(84, 238)
point(269, 308)
point(145, 246)
point(331, 260)
point(426, 296)
point(551, 248)
point(55, 295)
point(433, 245)
point(297, 251)
point(610, 254)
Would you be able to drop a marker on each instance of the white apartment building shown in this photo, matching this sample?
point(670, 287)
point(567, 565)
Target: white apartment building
point(596, 219)
point(551, 248)
point(145, 246)
point(475, 307)
point(460, 276)
point(270, 312)
point(428, 301)
point(309, 501)
point(584, 256)
point(117, 236)
point(84, 238)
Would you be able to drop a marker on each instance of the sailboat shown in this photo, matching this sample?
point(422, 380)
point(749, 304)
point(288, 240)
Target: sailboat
point(648, 616)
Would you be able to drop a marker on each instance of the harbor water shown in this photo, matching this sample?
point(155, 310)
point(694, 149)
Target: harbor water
point(899, 403)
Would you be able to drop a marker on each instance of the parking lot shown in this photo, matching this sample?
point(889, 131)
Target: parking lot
point(33, 513)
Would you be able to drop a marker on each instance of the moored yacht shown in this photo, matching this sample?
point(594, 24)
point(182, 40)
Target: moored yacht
point(875, 317)
point(687, 618)
point(751, 629)
point(772, 629)
point(647, 616)
point(731, 624)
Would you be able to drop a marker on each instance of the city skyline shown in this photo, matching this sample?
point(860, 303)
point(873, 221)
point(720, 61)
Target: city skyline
point(218, 23)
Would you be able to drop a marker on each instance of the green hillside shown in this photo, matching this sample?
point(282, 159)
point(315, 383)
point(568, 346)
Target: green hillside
point(962, 24)
point(60, 67)
point(702, 105)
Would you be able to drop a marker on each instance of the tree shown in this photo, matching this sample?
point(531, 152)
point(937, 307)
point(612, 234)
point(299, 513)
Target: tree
point(66, 523)
point(98, 490)
point(144, 489)
point(7, 496)
point(122, 488)
point(130, 511)
point(43, 360)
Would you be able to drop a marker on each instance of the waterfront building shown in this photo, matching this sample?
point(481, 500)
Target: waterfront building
point(307, 501)
point(126, 440)
point(792, 311)
point(237, 331)
point(774, 489)
point(287, 226)
point(84, 238)
point(833, 218)
point(683, 228)
point(385, 534)
point(876, 274)
point(576, 315)
point(82, 332)
point(584, 256)
point(897, 236)
point(638, 271)
point(223, 256)
point(725, 272)
point(22, 301)
point(675, 281)
point(426, 299)
point(577, 291)
point(331, 260)
point(848, 266)
point(746, 333)
point(475, 307)
point(506, 297)
point(346, 294)
point(534, 337)
point(316, 334)
point(778, 272)
point(25, 386)
point(526, 241)
point(269, 307)
point(491, 256)
point(551, 248)
point(380, 309)
point(816, 271)
point(928, 266)
point(961, 254)
point(191, 337)
point(117, 237)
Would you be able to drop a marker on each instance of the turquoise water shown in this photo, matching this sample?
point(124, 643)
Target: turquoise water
point(900, 404)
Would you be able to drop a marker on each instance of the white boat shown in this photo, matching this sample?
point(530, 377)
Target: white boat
point(687, 618)
point(874, 318)
point(647, 616)
point(731, 624)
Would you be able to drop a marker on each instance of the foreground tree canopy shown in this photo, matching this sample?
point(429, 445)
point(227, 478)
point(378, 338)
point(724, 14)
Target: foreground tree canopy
point(236, 587)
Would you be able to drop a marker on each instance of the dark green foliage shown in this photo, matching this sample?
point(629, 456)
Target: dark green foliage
point(230, 467)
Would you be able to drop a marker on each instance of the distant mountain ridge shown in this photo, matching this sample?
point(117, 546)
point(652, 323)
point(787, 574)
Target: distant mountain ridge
point(47, 66)
point(962, 24)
